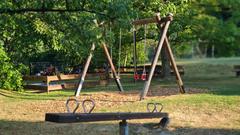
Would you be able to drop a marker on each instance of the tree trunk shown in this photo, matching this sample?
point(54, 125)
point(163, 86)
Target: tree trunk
point(200, 54)
point(213, 50)
point(166, 69)
point(206, 51)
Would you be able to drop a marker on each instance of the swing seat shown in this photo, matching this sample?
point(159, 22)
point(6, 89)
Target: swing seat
point(144, 76)
point(136, 77)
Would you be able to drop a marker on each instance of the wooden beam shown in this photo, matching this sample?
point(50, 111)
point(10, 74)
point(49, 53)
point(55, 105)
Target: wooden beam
point(157, 19)
point(154, 19)
point(174, 65)
point(34, 78)
point(61, 77)
point(66, 85)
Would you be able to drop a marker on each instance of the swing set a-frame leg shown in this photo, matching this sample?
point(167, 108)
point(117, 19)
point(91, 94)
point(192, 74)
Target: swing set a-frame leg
point(85, 69)
point(117, 79)
point(155, 60)
point(174, 65)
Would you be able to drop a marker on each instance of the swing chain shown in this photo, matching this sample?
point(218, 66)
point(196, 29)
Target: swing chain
point(119, 52)
point(67, 105)
point(144, 75)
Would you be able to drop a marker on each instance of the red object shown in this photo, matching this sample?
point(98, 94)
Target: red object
point(144, 76)
point(136, 77)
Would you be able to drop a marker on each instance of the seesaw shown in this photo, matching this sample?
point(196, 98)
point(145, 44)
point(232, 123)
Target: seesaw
point(88, 116)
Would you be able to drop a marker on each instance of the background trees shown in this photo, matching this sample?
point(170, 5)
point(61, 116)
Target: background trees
point(215, 26)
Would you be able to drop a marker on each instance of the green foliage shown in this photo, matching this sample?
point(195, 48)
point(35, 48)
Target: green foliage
point(67, 36)
point(183, 51)
point(216, 23)
point(10, 77)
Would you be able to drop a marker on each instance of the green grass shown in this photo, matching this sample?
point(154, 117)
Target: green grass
point(213, 74)
point(216, 111)
point(212, 61)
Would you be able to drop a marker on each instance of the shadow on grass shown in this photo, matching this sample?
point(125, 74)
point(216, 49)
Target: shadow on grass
point(107, 128)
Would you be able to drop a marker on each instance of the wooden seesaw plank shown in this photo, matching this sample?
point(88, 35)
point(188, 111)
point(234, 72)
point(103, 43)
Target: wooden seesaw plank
point(92, 117)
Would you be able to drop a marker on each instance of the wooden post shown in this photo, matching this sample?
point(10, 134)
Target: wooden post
point(174, 65)
point(155, 60)
point(117, 79)
point(77, 92)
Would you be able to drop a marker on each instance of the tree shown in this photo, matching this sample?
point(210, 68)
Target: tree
point(215, 27)
point(10, 77)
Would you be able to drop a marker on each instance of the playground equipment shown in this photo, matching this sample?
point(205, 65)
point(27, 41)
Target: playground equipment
point(129, 70)
point(154, 111)
point(163, 24)
point(144, 75)
point(58, 82)
point(140, 75)
point(116, 77)
point(48, 76)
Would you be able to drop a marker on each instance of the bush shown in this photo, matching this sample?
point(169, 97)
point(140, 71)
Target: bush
point(10, 77)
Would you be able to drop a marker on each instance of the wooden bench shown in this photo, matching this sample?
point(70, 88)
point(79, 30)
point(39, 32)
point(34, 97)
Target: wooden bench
point(157, 72)
point(58, 82)
point(236, 68)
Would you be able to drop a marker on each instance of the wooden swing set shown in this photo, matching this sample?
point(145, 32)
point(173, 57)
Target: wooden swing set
point(163, 42)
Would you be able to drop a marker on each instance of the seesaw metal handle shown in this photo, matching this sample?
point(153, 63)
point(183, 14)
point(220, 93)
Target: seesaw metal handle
point(84, 105)
point(67, 105)
point(154, 107)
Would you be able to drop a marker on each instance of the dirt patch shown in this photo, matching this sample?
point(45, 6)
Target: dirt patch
point(107, 99)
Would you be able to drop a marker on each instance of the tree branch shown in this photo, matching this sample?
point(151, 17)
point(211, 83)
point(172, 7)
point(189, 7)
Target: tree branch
point(34, 10)
point(67, 4)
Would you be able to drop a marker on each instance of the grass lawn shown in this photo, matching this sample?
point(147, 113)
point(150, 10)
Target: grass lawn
point(214, 107)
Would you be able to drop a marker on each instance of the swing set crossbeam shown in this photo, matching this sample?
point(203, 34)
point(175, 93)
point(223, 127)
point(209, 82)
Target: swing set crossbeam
point(156, 19)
